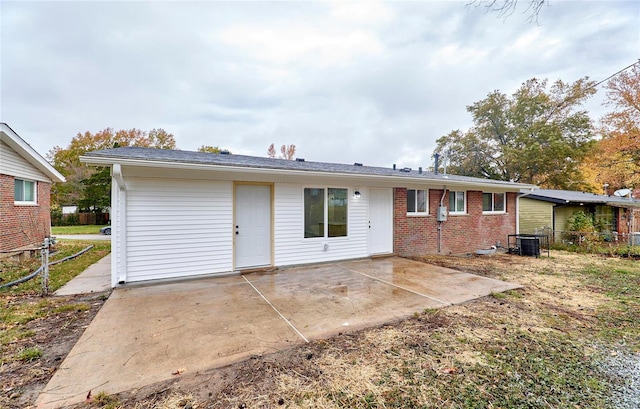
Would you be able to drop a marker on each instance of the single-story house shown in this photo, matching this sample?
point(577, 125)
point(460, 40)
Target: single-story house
point(551, 209)
point(25, 186)
point(178, 213)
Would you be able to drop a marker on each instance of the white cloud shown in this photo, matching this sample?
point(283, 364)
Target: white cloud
point(299, 44)
point(367, 82)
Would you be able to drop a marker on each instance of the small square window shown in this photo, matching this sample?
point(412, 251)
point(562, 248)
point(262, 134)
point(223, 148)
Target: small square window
point(417, 201)
point(457, 202)
point(493, 202)
point(24, 191)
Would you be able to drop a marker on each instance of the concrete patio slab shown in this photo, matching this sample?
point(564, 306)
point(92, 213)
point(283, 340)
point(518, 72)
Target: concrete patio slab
point(144, 334)
point(330, 299)
point(443, 284)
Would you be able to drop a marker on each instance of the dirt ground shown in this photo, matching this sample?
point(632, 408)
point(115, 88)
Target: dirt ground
point(55, 335)
point(352, 369)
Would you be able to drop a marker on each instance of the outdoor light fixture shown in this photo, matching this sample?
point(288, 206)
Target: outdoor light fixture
point(356, 194)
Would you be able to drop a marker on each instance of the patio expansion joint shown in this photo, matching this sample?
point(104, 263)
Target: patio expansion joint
point(276, 310)
point(402, 288)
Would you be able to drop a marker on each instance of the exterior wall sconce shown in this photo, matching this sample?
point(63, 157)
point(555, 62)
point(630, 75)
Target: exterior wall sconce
point(356, 194)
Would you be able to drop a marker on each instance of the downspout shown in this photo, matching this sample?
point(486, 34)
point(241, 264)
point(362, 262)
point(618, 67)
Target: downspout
point(444, 192)
point(118, 230)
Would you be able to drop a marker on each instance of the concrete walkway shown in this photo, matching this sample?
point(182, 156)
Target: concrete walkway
point(82, 236)
point(96, 278)
point(143, 334)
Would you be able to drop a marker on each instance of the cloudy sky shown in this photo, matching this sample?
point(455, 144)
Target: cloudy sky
point(345, 82)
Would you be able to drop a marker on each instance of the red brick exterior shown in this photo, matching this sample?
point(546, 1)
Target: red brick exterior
point(414, 235)
point(22, 226)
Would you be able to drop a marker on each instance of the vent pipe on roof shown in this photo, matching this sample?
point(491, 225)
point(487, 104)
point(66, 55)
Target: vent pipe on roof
point(436, 156)
point(394, 166)
point(420, 170)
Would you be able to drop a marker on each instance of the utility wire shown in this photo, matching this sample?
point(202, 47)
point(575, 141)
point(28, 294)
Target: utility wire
point(613, 75)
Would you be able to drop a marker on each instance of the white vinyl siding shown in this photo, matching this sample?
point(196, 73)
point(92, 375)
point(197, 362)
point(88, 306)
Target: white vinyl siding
point(15, 165)
point(291, 247)
point(178, 228)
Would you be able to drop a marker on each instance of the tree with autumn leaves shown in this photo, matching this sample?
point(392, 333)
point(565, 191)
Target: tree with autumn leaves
point(615, 159)
point(286, 152)
point(90, 187)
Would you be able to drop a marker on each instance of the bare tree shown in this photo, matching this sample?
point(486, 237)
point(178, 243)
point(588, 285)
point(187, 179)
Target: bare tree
point(286, 151)
point(505, 8)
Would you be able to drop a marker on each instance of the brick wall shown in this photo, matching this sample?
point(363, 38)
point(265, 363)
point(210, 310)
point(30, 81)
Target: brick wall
point(22, 226)
point(414, 235)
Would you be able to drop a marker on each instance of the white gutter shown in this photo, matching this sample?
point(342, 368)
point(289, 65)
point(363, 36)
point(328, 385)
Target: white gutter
point(117, 175)
point(106, 161)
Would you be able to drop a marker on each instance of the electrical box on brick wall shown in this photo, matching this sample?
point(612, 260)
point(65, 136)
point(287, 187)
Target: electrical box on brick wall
point(441, 216)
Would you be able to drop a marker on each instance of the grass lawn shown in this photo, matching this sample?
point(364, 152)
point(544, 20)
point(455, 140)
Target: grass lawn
point(23, 303)
point(86, 229)
point(37, 332)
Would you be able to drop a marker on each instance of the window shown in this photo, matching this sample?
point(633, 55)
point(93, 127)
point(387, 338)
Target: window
point(337, 212)
point(457, 202)
point(604, 218)
point(329, 223)
point(493, 202)
point(417, 201)
point(24, 191)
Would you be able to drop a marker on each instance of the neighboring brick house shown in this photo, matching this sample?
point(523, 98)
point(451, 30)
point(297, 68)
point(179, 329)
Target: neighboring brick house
point(178, 213)
point(25, 187)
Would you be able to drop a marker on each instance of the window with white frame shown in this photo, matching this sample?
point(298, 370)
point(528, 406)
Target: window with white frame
point(24, 191)
point(417, 202)
point(457, 202)
point(325, 212)
point(493, 202)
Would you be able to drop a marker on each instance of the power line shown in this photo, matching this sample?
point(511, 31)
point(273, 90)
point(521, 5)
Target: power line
point(616, 73)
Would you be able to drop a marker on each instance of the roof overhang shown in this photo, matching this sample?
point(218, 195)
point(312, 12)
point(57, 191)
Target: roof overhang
point(626, 205)
point(22, 148)
point(545, 198)
point(490, 185)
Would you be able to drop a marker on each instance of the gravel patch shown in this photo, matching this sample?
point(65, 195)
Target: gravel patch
point(623, 369)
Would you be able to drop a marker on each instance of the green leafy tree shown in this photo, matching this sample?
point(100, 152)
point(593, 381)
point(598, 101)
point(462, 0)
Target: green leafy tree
point(96, 195)
point(211, 149)
point(537, 135)
point(80, 178)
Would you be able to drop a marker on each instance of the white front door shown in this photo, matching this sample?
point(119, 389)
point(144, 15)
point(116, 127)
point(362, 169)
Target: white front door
point(380, 221)
point(252, 227)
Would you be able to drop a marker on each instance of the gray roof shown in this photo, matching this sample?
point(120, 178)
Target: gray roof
point(572, 196)
point(232, 160)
